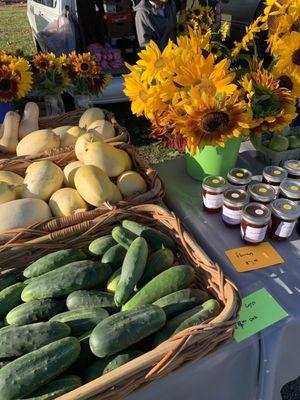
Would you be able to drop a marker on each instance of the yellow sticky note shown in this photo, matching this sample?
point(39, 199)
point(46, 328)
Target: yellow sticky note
point(248, 258)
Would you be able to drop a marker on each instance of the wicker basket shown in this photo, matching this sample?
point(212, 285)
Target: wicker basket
point(193, 343)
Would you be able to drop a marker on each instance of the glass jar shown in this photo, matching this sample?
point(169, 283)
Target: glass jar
point(273, 176)
point(290, 189)
point(255, 222)
point(54, 105)
point(285, 214)
point(293, 168)
point(234, 200)
point(239, 178)
point(262, 193)
point(83, 101)
point(212, 193)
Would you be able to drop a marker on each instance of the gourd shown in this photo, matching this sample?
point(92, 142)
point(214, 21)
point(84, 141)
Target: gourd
point(83, 141)
point(103, 128)
point(89, 116)
point(7, 192)
point(37, 142)
point(116, 194)
point(69, 173)
point(68, 134)
point(42, 179)
point(9, 139)
point(66, 201)
point(111, 160)
point(93, 185)
point(131, 183)
point(30, 120)
point(12, 179)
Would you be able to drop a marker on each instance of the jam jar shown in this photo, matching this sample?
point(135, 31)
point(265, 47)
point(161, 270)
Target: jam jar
point(234, 200)
point(273, 176)
point(239, 178)
point(255, 222)
point(290, 189)
point(212, 193)
point(285, 214)
point(293, 169)
point(261, 193)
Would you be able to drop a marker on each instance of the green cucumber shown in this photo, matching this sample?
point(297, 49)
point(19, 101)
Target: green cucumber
point(114, 256)
point(154, 237)
point(189, 318)
point(94, 298)
point(83, 320)
point(53, 261)
point(159, 261)
point(122, 330)
point(28, 373)
point(123, 236)
point(58, 387)
point(105, 365)
point(65, 280)
point(10, 297)
point(16, 341)
point(86, 357)
point(1, 324)
point(113, 281)
point(169, 281)
point(180, 301)
point(3, 363)
point(35, 311)
point(132, 270)
point(7, 280)
point(100, 246)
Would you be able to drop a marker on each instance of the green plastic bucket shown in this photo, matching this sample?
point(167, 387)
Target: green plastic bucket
point(213, 160)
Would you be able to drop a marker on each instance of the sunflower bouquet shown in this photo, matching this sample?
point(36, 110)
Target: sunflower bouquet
point(15, 77)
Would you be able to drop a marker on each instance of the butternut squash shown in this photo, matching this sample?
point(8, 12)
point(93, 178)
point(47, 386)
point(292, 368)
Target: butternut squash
point(42, 180)
point(68, 134)
point(37, 142)
point(131, 183)
point(116, 194)
point(7, 192)
point(12, 179)
point(83, 141)
point(30, 121)
point(89, 116)
point(9, 139)
point(1, 130)
point(65, 202)
point(69, 173)
point(93, 185)
point(104, 128)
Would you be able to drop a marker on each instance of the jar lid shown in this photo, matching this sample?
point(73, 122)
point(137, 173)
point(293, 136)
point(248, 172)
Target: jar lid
point(275, 174)
point(256, 213)
point(262, 192)
point(236, 197)
point(291, 189)
point(293, 167)
point(215, 184)
point(240, 176)
point(286, 209)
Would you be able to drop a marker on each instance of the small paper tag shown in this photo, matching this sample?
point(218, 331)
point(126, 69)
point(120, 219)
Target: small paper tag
point(248, 258)
point(258, 311)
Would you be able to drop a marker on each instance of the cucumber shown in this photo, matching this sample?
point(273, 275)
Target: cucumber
point(93, 298)
point(123, 236)
point(58, 387)
point(132, 270)
point(3, 363)
point(99, 246)
point(53, 261)
point(122, 330)
point(169, 281)
point(113, 281)
point(114, 256)
point(155, 238)
point(28, 373)
point(189, 318)
point(65, 280)
point(16, 341)
point(1, 324)
point(7, 280)
point(180, 301)
point(159, 261)
point(86, 357)
point(35, 311)
point(10, 297)
point(105, 365)
point(83, 320)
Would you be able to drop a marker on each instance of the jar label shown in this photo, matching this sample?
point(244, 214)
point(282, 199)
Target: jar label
point(254, 235)
point(213, 201)
point(233, 217)
point(285, 229)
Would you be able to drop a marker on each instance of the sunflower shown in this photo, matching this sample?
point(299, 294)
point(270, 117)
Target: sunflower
point(288, 53)
point(100, 82)
point(43, 62)
point(8, 84)
point(254, 28)
point(225, 30)
point(288, 81)
point(84, 65)
point(22, 69)
point(193, 44)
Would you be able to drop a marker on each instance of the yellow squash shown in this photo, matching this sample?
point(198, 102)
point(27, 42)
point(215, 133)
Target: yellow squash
point(69, 173)
point(131, 183)
point(89, 116)
point(37, 142)
point(83, 141)
point(104, 128)
point(66, 201)
point(12, 179)
point(7, 192)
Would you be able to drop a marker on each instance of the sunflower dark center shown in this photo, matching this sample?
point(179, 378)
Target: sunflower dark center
point(296, 57)
point(5, 85)
point(203, 31)
point(181, 28)
point(205, 53)
point(296, 26)
point(84, 66)
point(285, 82)
point(197, 12)
point(215, 122)
point(43, 64)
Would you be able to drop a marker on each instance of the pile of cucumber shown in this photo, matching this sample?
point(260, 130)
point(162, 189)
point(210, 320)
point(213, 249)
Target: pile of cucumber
point(76, 316)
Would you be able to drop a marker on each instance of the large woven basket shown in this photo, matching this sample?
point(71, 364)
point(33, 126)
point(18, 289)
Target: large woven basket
point(193, 343)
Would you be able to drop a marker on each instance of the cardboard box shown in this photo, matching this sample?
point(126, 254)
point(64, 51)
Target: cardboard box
point(117, 6)
point(119, 25)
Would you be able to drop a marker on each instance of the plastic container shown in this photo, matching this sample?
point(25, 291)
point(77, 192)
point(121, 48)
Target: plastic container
point(290, 189)
point(212, 193)
point(273, 176)
point(234, 200)
point(261, 193)
point(239, 178)
point(285, 214)
point(255, 221)
point(293, 168)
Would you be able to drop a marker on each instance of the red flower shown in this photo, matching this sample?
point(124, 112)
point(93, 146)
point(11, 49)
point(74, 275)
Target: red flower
point(8, 85)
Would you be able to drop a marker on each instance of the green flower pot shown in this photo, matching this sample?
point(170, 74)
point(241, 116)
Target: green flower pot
point(213, 160)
